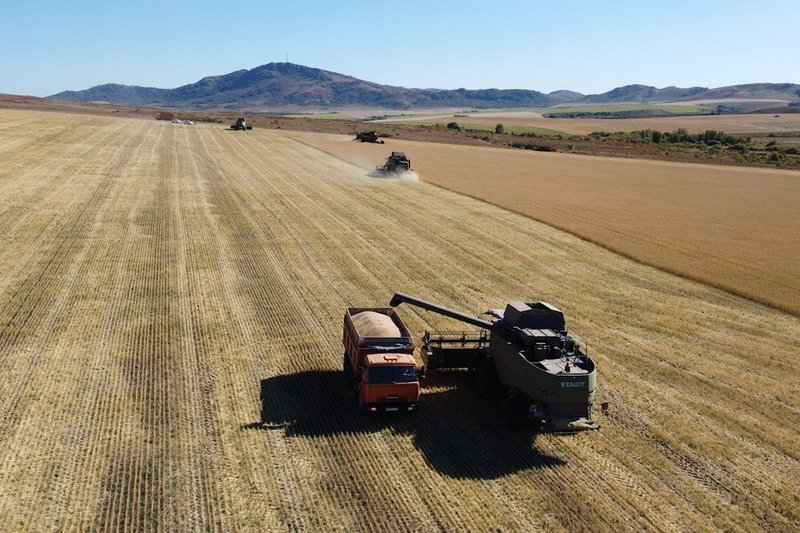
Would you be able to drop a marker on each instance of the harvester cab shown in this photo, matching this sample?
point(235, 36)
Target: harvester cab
point(524, 354)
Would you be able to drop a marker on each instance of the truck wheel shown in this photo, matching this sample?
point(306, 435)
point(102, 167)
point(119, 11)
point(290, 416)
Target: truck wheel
point(513, 412)
point(486, 379)
point(362, 407)
point(347, 370)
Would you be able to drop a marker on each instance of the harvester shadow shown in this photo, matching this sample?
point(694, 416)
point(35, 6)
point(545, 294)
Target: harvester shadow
point(459, 435)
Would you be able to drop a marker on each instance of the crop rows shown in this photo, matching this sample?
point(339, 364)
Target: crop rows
point(170, 322)
point(733, 228)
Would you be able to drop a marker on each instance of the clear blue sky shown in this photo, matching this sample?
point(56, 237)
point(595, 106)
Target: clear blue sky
point(585, 46)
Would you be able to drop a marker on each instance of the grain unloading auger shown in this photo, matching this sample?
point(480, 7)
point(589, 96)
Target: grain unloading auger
point(523, 353)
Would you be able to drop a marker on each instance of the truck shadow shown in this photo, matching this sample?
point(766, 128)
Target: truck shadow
point(459, 434)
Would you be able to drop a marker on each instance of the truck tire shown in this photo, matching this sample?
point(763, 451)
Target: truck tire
point(362, 407)
point(486, 379)
point(347, 370)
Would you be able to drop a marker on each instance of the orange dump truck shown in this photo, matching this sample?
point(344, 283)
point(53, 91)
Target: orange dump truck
point(378, 359)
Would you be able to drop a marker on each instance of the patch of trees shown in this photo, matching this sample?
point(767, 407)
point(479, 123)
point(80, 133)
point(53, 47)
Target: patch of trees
point(537, 147)
point(713, 141)
point(681, 135)
point(773, 146)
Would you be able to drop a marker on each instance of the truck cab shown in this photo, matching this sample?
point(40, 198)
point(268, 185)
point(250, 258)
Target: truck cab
point(389, 383)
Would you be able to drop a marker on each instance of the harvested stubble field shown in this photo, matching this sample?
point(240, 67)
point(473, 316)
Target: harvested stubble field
point(734, 228)
point(170, 321)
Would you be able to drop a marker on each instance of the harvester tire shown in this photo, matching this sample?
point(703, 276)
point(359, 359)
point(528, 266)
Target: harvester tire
point(486, 379)
point(513, 412)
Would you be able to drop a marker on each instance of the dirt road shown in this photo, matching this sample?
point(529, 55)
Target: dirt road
point(170, 324)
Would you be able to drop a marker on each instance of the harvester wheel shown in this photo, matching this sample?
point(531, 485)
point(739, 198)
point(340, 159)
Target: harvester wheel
point(486, 379)
point(513, 411)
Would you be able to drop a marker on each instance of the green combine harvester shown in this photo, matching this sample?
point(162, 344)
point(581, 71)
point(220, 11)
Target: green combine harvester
point(524, 354)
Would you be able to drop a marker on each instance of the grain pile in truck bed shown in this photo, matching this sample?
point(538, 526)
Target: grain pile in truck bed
point(372, 324)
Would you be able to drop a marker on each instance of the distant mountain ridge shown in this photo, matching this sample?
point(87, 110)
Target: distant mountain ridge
point(281, 85)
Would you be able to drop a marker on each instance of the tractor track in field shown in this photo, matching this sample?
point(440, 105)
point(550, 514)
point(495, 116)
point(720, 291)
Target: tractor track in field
point(265, 311)
point(43, 195)
point(38, 301)
point(170, 330)
point(208, 504)
point(97, 405)
point(328, 194)
point(48, 295)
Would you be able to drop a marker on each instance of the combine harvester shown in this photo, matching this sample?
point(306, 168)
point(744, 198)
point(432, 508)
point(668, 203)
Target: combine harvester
point(368, 137)
point(395, 164)
point(241, 125)
point(524, 354)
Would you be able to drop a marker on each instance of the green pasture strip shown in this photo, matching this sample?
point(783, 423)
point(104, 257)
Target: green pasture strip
point(511, 128)
point(323, 116)
point(676, 109)
point(403, 119)
point(489, 128)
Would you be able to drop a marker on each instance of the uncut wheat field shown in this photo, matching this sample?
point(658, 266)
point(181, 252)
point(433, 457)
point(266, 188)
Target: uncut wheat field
point(171, 303)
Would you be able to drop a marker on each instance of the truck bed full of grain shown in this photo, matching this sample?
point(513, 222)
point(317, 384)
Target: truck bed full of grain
point(372, 324)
